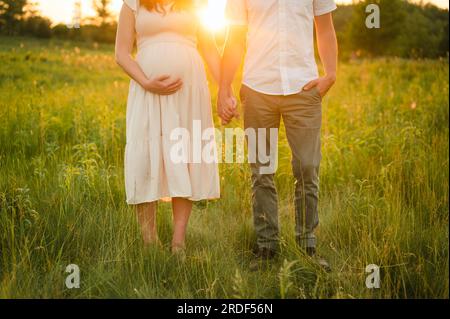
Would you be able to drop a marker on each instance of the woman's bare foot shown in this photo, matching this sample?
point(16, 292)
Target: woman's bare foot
point(179, 250)
point(152, 242)
point(182, 209)
point(146, 215)
point(176, 247)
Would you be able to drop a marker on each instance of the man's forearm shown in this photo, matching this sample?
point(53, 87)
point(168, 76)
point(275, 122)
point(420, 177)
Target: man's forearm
point(232, 57)
point(327, 44)
point(212, 58)
point(328, 51)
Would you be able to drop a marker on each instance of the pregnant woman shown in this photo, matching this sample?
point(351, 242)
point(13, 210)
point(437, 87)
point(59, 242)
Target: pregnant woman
point(168, 94)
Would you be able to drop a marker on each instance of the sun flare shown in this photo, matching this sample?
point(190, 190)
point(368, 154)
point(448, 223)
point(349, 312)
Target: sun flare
point(213, 16)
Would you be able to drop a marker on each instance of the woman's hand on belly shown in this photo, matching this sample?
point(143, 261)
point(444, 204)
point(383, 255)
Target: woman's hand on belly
point(163, 85)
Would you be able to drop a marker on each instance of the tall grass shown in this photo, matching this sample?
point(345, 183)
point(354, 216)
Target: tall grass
point(384, 189)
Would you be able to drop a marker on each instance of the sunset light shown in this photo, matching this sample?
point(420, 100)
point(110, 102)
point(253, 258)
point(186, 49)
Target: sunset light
point(213, 16)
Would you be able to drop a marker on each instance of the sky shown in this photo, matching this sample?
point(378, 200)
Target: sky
point(62, 10)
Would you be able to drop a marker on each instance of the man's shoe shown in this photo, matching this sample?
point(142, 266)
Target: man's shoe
point(322, 262)
point(263, 256)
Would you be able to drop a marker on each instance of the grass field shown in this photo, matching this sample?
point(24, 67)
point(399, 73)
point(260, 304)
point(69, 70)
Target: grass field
point(384, 189)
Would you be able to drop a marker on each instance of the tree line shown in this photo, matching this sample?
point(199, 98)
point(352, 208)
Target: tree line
point(409, 30)
point(21, 18)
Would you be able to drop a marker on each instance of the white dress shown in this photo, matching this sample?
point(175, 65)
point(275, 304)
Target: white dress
point(167, 45)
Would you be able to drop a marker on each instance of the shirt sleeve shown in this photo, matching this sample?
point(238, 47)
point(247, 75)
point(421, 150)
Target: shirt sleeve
point(236, 12)
point(323, 7)
point(132, 4)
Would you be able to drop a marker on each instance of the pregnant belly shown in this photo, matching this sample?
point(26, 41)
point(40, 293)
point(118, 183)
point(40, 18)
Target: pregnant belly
point(175, 60)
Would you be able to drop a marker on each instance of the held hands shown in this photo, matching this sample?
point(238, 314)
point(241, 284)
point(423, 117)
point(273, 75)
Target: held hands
point(163, 85)
point(227, 105)
point(323, 84)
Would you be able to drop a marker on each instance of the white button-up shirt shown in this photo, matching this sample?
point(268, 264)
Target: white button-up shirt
point(280, 42)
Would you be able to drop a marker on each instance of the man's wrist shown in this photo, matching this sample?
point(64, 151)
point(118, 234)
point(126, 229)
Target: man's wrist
point(331, 76)
point(225, 88)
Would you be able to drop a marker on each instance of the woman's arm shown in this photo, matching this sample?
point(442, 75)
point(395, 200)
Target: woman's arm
point(162, 84)
point(210, 52)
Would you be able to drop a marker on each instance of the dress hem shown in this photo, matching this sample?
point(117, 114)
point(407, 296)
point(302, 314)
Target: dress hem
point(169, 198)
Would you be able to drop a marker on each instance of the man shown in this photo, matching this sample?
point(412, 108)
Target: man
point(281, 80)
